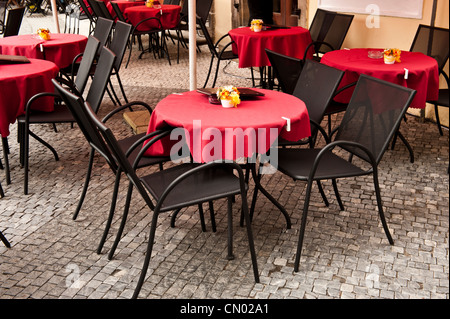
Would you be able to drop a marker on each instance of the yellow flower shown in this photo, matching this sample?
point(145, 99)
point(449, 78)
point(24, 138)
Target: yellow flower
point(229, 93)
point(396, 53)
point(44, 33)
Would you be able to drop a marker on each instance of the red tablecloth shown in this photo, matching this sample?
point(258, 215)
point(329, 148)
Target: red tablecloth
point(211, 126)
point(60, 49)
point(18, 83)
point(422, 74)
point(250, 46)
point(122, 4)
point(169, 17)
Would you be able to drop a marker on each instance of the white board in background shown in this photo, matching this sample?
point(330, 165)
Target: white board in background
point(394, 8)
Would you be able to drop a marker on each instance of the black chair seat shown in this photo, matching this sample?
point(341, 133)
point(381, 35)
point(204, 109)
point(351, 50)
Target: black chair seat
point(61, 114)
point(204, 186)
point(126, 143)
point(297, 163)
point(443, 99)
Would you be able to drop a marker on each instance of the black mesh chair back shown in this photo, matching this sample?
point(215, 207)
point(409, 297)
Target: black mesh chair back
point(321, 24)
point(87, 60)
point(105, 12)
point(86, 10)
point(102, 31)
point(203, 9)
point(328, 30)
point(118, 12)
point(95, 9)
point(13, 21)
point(373, 116)
point(101, 78)
point(175, 2)
point(316, 86)
point(432, 41)
point(286, 69)
point(119, 45)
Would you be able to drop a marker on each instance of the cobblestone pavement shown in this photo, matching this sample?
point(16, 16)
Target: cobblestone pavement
point(345, 253)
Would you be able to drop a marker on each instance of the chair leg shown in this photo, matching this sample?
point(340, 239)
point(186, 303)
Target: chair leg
point(209, 71)
point(438, 122)
point(380, 206)
point(202, 217)
point(148, 254)
point(217, 72)
point(123, 222)
point(4, 240)
point(251, 243)
point(5, 147)
point(230, 255)
point(122, 90)
point(174, 217)
point(213, 218)
point(111, 212)
point(2, 193)
point(86, 184)
point(302, 226)
point(336, 192)
point(324, 197)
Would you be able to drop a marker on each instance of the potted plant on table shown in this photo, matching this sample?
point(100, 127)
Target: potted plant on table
point(228, 96)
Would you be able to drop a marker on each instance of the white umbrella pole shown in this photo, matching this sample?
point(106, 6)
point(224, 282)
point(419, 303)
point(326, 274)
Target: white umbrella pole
point(55, 15)
point(192, 44)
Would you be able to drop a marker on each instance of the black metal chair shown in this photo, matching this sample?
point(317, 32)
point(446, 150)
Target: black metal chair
point(216, 53)
point(73, 16)
point(61, 113)
point(369, 124)
point(434, 42)
point(328, 30)
point(179, 186)
point(13, 21)
point(203, 8)
point(286, 70)
point(88, 12)
point(105, 12)
point(315, 86)
point(119, 44)
point(156, 38)
point(95, 9)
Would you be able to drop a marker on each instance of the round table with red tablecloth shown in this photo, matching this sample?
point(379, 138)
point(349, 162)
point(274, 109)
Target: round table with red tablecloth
point(250, 46)
point(18, 83)
point(416, 71)
point(169, 15)
point(261, 120)
point(60, 49)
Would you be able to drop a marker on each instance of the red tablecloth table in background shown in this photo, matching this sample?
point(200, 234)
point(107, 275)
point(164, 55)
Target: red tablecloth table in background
point(422, 72)
point(250, 46)
point(169, 18)
point(18, 83)
point(264, 112)
point(122, 4)
point(60, 49)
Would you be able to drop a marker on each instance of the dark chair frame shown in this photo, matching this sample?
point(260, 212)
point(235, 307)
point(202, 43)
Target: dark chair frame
point(13, 21)
point(61, 114)
point(103, 140)
point(311, 165)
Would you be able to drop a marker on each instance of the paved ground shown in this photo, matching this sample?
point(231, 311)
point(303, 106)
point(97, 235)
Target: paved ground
point(345, 254)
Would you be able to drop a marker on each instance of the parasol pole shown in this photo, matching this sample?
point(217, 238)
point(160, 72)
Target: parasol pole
point(55, 15)
point(192, 44)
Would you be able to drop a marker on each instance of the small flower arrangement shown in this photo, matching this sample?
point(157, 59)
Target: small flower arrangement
point(229, 96)
point(392, 55)
point(256, 25)
point(44, 33)
point(149, 3)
